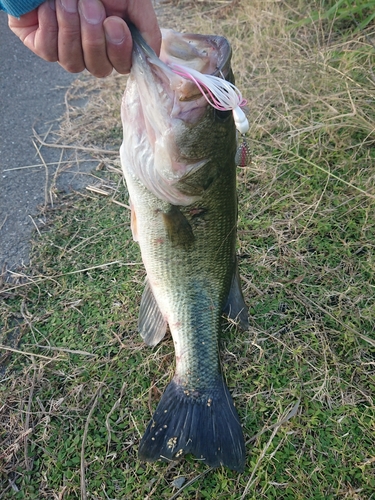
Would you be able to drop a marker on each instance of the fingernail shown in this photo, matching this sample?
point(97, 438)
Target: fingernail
point(92, 11)
point(114, 30)
point(69, 6)
point(52, 5)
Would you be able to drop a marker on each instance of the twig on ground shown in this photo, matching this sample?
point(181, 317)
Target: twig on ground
point(28, 412)
point(38, 165)
point(36, 227)
point(330, 174)
point(189, 483)
point(53, 278)
point(84, 437)
point(25, 353)
point(276, 426)
point(78, 148)
point(4, 221)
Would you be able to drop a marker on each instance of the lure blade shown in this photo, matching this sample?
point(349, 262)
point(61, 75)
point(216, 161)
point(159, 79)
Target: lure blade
point(243, 154)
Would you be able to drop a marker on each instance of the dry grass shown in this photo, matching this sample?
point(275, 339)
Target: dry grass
point(80, 388)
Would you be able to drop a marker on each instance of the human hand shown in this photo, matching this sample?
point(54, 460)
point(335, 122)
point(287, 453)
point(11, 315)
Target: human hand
point(90, 34)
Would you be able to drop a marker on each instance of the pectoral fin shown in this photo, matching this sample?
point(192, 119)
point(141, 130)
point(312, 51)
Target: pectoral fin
point(235, 307)
point(178, 228)
point(151, 324)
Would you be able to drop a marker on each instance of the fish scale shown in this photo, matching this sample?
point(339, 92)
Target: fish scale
point(178, 162)
point(190, 280)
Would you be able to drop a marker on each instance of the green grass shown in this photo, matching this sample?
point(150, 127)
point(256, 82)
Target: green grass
point(79, 392)
point(346, 14)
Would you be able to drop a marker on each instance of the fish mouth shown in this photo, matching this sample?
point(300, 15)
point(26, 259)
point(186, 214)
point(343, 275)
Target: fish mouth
point(208, 54)
point(164, 113)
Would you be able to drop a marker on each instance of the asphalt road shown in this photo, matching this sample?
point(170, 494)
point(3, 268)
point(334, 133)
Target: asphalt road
point(31, 94)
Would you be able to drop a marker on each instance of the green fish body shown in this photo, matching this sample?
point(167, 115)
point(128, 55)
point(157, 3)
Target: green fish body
point(178, 160)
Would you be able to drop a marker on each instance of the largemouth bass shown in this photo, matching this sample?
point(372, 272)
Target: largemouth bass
point(178, 156)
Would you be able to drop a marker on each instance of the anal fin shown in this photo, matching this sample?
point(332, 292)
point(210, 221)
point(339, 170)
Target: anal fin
point(151, 324)
point(235, 307)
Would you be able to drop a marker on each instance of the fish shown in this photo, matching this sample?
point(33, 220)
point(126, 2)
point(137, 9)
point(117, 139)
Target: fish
point(178, 159)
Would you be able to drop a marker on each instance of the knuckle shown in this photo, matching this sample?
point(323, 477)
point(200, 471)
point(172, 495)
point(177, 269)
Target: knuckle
point(73, 67)
point(123, 70)
point(101, 73)
point(46, 51)
point(50, 57)
point(68, 32)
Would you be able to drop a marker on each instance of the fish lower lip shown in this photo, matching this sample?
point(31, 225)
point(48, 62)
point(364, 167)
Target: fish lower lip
point(144, 49)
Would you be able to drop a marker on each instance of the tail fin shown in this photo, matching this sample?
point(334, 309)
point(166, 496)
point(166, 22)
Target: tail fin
point(206, 425)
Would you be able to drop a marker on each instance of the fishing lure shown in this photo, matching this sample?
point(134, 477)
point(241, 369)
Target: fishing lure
point(224, 96)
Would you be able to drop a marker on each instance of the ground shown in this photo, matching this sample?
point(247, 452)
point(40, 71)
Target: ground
point(80, 385)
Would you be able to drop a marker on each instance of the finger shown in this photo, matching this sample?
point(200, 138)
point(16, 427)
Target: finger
point(119, 44)
point(25, 25)
point(38, 30)
point(144, 18)
point(92, 15)
point(46, 35)
point(142, 14)
point(70, 54)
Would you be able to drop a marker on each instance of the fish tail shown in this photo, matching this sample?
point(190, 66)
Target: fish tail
point(205, 425)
